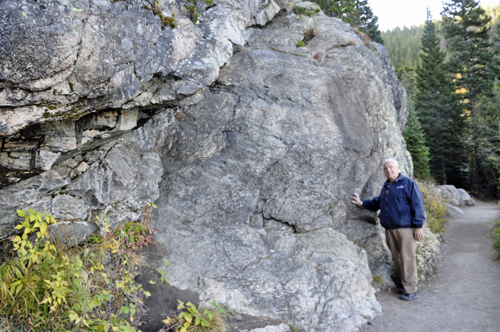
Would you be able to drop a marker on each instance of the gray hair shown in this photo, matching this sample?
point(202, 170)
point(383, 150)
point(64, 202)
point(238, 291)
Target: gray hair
point(393, 160)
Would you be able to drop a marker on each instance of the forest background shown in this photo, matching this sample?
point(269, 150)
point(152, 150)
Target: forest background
point(450, 69)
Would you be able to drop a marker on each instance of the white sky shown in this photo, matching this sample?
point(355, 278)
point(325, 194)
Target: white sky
point(393, 13)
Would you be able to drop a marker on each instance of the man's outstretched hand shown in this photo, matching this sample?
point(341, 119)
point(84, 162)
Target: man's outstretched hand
point(355, 199)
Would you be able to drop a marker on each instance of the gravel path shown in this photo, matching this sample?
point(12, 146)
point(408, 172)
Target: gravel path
point(465, 294)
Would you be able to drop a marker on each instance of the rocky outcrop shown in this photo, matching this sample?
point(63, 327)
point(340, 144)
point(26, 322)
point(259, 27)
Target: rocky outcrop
point(454, 196)
point(249, 145)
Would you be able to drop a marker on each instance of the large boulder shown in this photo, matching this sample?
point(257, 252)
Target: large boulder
point(249, 145)
point(454, 196)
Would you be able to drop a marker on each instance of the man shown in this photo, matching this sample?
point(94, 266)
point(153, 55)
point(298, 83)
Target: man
point(402, 215)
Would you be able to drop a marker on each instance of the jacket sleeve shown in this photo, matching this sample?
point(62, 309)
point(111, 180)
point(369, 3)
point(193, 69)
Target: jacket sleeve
point(417, 207)
point(372, 204)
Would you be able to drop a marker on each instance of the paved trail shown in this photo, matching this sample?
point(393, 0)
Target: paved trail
point(465, 295)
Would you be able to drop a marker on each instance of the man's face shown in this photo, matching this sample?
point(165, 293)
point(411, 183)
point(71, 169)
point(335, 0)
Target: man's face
point(391, 170)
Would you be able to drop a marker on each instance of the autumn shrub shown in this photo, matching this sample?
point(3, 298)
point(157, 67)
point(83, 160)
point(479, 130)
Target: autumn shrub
point(47, 286)
point(435, 208)
point(496, 235)
point(429, 249)
point(193, 318)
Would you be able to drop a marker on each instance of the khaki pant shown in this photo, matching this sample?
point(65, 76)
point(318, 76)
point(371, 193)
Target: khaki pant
point(403, 246)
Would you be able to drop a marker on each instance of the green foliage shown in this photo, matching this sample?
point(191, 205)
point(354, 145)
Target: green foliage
point(435, 104)
point(165, 20)
point(378, 280)
point(194, 10)
point(162, 274)
point(355, 12)
point(487, 142)
point(46, 286)
point(435, 209)
point(496, 235)
point(301, 43)
point(305, 11)
point(191, 319)
point(415, 143)
point(428, 250)
point(466, 29)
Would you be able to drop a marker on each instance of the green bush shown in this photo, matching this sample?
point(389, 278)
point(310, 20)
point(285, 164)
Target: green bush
point(496, 235)
point(193, 319)
point(434, 207)
point(305, 11)
point(47, 286)
point(429, 249)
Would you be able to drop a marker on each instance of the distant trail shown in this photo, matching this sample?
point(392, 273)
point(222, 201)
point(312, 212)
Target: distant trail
point(465, 295)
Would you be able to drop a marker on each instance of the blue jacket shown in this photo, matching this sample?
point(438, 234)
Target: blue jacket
point(400, 204)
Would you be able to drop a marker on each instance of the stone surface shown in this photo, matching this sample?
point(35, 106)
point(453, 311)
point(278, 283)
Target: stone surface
point(464, 197)
point(454, 196)
point(65, 59)
point(273, 328)
point(249, 146)
point(454, 208)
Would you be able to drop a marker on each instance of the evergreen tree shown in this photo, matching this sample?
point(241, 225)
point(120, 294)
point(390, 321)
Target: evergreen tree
point(493, 67)
point(355, 12)
point(415, 143)
point(369, 21)
point(465, 27)
point(436, 106)
point(488, 142)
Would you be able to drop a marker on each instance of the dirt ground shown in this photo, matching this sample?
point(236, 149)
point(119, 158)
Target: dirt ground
point(465, 294)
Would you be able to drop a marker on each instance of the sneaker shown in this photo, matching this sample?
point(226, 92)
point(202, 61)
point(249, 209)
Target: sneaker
point(409, 297)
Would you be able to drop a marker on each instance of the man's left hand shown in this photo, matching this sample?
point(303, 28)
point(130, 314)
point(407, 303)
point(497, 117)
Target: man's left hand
point(418, 234)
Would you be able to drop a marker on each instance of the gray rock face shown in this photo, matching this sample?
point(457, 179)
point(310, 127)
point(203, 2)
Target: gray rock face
point(250, 156)
point(454, 196)
point(64, 59)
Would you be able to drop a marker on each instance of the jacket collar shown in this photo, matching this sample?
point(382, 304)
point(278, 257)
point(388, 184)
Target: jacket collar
point(399, 178)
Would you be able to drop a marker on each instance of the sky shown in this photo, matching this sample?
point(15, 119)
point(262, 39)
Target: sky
point(393, 13)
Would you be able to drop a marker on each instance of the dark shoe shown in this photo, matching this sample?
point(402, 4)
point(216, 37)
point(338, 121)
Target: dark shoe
point(400, 290)
point(409, 297)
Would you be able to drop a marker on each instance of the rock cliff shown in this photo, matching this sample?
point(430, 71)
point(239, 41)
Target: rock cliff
point(249, 145)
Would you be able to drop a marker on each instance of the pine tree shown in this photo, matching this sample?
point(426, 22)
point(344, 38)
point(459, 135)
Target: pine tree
point(465, 27)
point(355, 12)
point(369, 21)
point(488, 142)
point(436, 107)
point(415, 143)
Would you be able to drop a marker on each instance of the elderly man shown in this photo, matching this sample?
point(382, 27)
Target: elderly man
point(402, 215)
